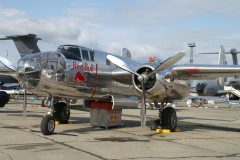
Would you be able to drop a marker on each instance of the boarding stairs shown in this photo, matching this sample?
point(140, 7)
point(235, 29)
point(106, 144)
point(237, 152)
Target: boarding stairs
point(232, 90)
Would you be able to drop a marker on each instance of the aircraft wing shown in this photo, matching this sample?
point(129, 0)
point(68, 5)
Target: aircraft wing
point(8, 79)
point(188, 72)
point(222, 92)
point(8, 76)
point(233, 82)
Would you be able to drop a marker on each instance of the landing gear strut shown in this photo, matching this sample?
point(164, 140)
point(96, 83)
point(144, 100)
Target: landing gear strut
point(167, 118)
point(61, 112)
point(57, 111)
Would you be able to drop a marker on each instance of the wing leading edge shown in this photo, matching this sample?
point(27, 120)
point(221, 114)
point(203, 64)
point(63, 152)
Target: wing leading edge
point(188, 72)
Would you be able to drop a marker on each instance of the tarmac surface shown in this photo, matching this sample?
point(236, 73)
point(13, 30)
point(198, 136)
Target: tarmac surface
point(205, 133)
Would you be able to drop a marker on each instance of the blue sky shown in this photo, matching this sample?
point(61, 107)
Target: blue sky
point(147, 27)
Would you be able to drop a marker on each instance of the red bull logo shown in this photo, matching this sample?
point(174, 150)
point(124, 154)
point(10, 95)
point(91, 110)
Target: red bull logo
point(82, 72)
point(84, 66)
point(79, 78)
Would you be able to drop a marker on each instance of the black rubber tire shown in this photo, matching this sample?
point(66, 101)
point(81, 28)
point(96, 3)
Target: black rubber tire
point(47, 125)
point(4, 98)
point(169, 119)
point(61, 112)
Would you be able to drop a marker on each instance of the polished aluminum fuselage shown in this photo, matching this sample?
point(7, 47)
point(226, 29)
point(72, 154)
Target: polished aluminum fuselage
point(51, 74)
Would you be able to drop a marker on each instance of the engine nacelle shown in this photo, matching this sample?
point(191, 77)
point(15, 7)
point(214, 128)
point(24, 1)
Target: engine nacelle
point(157, 88)
point(207, 88)
point(153, 85)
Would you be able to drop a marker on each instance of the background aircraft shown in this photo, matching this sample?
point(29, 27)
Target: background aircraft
point(216, 87)
point(7, 84)
point(76, 72)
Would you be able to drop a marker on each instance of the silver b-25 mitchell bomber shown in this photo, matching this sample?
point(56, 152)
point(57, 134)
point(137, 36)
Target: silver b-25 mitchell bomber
point(75, 72)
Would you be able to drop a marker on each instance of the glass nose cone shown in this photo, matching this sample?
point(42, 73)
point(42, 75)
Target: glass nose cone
point(29, 72)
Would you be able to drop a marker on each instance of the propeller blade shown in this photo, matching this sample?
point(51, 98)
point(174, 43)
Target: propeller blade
point(121, 64)
point(7, 63)
point(167, 63)
point(143, 107)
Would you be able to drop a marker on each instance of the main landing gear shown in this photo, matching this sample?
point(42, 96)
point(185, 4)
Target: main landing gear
point(58, 111)
point(167, 118)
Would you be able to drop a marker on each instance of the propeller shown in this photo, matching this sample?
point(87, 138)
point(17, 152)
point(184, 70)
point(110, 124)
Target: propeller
point(143, 78)
point(143, 106)
point(121, 64)
point(168, 63)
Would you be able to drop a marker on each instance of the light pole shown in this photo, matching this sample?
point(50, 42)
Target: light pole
point(191, 45)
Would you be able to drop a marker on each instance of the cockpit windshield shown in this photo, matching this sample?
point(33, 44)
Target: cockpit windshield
point(70, 52)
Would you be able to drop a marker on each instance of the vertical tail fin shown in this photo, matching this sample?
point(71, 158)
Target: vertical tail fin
point(222, 56)
point(25, 44)
point(222, 61)
point(126, 53)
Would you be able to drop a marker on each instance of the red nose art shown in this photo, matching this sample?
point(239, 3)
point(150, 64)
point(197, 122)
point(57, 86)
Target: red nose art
point(79, 77)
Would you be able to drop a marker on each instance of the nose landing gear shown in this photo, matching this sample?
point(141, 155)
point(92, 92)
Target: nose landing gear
point(59, 111)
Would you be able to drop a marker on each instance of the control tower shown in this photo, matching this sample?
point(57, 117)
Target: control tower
point(191, 45)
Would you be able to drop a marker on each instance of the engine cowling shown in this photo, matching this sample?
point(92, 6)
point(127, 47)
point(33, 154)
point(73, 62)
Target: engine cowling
point(151, 81)
point(157, 88)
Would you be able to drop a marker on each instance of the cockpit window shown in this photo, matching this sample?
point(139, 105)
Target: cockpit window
point(85, 54)
point(91, 55)
point(71, 52)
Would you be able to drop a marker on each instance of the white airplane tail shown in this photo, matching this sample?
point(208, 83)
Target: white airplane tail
point(222, 56)
point(221, 61)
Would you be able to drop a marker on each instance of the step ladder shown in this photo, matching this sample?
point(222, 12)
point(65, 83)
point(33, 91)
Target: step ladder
point(232, 90)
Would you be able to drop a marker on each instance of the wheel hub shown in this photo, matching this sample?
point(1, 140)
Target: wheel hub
point(51, 124)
